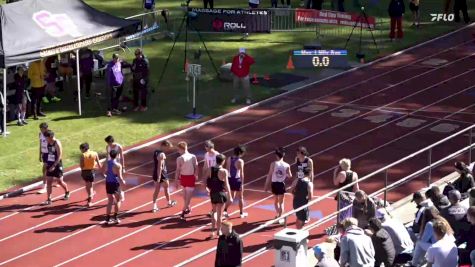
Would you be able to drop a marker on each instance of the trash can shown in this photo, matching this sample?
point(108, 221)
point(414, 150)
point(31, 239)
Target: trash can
point(291, 246)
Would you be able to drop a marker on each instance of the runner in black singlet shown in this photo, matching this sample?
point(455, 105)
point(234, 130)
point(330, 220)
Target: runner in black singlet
point(160, 175)
point(303, 161)
point(303, 193)
point(54, 166)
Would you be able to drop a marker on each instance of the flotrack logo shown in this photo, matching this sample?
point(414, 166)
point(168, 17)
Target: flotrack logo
point(234, 26)
point(442, 17)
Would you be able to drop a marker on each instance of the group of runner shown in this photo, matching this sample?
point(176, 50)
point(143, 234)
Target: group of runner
point(224, 177)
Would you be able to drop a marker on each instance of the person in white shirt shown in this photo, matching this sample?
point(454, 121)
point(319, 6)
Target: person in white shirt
point(278, 172)
point(442, 253)
point(186, 173)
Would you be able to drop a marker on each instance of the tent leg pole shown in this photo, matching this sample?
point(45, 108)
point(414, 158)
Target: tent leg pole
point(78, 75)
point(4, 101)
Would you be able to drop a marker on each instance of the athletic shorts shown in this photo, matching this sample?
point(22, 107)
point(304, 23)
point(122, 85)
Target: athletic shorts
point(278, 188)
point(302, 215)
point(413, 7)
point(56, 173)
point(88, 175)
point(162, 178)
point(44, 157)
point(235, 184)
point(112, 188)
point(218, 198)
point(187, 180)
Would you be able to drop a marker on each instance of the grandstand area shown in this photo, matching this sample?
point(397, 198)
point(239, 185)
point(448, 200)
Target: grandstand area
point(374, 115)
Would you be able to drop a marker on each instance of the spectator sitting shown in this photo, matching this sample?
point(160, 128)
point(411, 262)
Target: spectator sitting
point(356, 247)
point(471, 199)
point(468, 238)
point(324, 255)
point(363, 208)
point(382, 242)
point(456, 213)
point(442, 253)
point(402, 241)
point(465, 181)
point(428, 238)
point(422, 203)
point(440, 201)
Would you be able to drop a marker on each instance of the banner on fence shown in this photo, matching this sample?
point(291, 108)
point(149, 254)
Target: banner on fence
point(230, 20)
point(332, 17)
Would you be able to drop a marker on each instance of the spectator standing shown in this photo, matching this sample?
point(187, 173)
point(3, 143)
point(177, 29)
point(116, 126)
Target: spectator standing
point(209, 3)
point(36, 74)
point(342, 177)
point(140, 71)
point(442, 253)
point(382, 243)
point(115, 82)
point(20, 81)
point(402, 241)
point(356, 247)
point(229, 249)
point(396, 10)
point(416, 15)
point(363, 208)
point(149, 6)
point(468, 238)
point(461, 5)
point(86, 66)
point(438, 199)
point(241, 67)
point(456, 213)
point(51, 65)
point(465, 180)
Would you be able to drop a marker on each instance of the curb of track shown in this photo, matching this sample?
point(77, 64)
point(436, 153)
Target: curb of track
point(243, 109)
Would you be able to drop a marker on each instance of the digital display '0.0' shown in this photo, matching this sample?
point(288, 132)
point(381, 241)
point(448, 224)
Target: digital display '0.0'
point(321, 61)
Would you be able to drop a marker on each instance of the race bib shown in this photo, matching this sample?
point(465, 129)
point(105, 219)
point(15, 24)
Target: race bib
point(51, 158)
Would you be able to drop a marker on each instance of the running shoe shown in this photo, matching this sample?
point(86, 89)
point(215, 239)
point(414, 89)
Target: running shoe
point(55, 99)
point(210, 214)
point(244, 215)
point(281, 221)
point(109, 114)
point(155, 208)
point(41, 114)
point(248, 101)
point(109, 221)
point(45, 100)
point(225, 214)
point(66, 195)
point(41, 191)
point(182, 216)
point(116, 112)
point(187, 211)
point(20, 123)
point(137, 108)
point(172, 204)
point(233, 101)
point(24, 122)
point(47, 202)
point(143, 109)
point(117, 220)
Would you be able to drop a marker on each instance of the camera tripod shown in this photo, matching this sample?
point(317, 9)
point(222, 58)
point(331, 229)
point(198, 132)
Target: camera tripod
point(362, 18)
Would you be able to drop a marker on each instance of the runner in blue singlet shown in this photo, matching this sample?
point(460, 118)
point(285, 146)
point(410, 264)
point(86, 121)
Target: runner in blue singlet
point(235, 167)
point(113, 174)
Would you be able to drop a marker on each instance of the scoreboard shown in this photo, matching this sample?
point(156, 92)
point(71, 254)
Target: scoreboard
point(320, 58)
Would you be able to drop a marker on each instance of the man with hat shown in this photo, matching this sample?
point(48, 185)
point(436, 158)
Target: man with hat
point(140, 71)
point(241, 67)
point(456, 213)
point(422, 204)
point(323, 253)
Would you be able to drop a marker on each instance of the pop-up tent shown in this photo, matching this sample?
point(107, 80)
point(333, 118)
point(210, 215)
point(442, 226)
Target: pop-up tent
point(34, 29)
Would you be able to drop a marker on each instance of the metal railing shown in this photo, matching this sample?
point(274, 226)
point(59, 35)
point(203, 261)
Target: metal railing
point(387, 187)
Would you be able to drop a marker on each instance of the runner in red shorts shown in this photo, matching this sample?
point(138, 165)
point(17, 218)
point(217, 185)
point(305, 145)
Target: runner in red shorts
point(186, 173)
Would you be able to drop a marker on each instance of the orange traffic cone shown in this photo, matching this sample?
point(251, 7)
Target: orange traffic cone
point(267, 77)
point(255, 80)
point(290, 64)
point(186, 66)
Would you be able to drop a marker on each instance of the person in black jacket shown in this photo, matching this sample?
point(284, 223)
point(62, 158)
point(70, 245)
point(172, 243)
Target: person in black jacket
point(438, 199)
point(382, 243)
point(465, 181)
point(396, 10)
point(461, 5)
point(229, 250)
point(468, 237)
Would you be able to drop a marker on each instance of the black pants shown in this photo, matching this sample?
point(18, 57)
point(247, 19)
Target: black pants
point(315, 4)
point(210, 2)
point(86, 80)
point(1, 118)
point(461, 5)
point(37, 94)
point(116, 92)
point(140, 91)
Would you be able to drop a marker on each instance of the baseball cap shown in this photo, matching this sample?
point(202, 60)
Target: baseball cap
point(242, 50)
point(416, 195)
point(455, 195)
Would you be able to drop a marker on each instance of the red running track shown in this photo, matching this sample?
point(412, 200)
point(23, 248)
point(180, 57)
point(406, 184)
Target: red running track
point(374, 115)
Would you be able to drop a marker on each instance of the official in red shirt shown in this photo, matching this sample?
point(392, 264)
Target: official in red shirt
point(240, 68)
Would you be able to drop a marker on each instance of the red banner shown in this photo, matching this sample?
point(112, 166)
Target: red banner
point(331, 17)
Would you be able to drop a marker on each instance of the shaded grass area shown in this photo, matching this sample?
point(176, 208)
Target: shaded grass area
point(169, 103)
